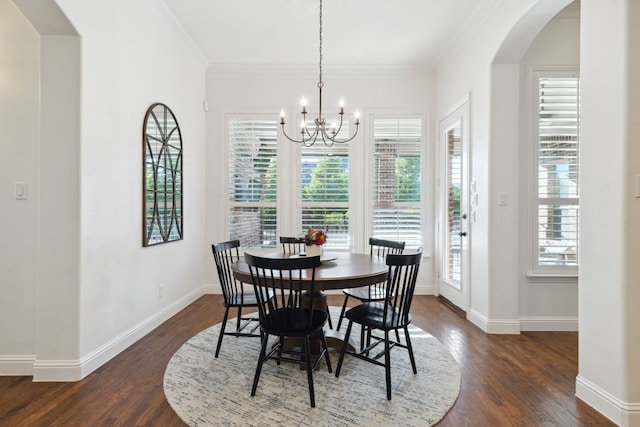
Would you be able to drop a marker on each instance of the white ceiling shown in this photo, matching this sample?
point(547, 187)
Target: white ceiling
point(355, 32)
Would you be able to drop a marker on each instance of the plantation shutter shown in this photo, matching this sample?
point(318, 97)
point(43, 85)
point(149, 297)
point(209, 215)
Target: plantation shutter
point(397, 180)
point(325, 190)
point(557, 183)
point(252, 181)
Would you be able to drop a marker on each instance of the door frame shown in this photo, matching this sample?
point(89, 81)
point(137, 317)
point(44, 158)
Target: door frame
point(461, 298)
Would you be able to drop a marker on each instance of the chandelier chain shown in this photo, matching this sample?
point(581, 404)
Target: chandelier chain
point(320, 84)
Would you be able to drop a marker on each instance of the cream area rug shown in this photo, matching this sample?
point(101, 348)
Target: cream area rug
point(205, 391)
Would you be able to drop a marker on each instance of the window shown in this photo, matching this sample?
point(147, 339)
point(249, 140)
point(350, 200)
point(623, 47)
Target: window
point(555, 172)
point(325, 190)
point(396, 177)
point(316, 185)
point(252, 181)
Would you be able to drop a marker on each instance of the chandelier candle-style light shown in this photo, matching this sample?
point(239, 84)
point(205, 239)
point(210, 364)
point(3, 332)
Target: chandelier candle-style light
point(322, 129)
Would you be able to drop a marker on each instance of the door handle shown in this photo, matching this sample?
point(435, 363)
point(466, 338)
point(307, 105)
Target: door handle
point(462, 233)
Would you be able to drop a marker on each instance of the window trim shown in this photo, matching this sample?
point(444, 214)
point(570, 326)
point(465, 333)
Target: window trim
point(536, 272)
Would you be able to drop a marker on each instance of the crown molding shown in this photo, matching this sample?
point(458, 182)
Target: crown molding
point(173, 21)
point(307, 70)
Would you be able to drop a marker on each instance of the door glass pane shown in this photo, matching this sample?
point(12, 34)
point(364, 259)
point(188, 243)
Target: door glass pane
point(454, 184)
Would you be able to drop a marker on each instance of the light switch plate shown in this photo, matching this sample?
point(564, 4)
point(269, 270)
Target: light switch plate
point(21, 190)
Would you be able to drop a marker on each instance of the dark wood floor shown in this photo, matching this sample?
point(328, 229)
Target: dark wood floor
point(507, 380)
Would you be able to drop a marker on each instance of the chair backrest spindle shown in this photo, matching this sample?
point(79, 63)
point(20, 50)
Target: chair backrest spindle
point(225, 254)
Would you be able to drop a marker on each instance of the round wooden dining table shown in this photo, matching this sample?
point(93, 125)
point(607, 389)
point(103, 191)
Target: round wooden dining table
point(338, 270)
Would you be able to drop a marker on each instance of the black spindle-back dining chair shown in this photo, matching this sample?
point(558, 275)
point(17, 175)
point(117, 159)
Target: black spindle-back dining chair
point(390, 315)
point(233, 292)
point(289, 313)
point(379, 248)
point(292, 245)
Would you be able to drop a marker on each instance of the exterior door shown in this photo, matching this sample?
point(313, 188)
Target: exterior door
point(454, 225)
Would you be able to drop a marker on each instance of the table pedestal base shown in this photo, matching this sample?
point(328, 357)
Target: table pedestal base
point(335, 339)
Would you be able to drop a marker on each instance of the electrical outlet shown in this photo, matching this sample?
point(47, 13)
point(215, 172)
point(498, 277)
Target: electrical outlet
point(161, 291)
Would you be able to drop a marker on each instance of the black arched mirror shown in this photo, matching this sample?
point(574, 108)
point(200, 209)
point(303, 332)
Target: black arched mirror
point(162, 176)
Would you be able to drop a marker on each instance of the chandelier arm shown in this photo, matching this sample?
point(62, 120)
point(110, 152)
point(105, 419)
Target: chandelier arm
point(315, 130)
point(327, 141)
point(334, 139)
point(339, 128)
point(312, 137)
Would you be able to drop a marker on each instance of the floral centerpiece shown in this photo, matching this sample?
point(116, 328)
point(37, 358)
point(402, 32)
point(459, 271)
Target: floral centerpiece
point(314, 239)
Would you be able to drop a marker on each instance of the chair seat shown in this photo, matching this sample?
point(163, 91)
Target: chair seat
point(367, 293)
point(247, 298)
point(371, 314)
point(293, 322)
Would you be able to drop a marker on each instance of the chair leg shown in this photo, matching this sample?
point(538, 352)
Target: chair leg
point(387, 363)
point(307, 356)
point(329, 318)
point(343, 350)
point(410, 349)
point(280, 347)
point(344, 308)
point(224, 324)
point(326, 352)
point(263, 353)
point(239, 320)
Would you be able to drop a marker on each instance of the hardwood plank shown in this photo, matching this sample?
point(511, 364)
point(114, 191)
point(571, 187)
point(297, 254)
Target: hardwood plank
point(507, 380)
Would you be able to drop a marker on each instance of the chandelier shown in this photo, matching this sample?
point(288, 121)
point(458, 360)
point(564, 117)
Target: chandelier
point(328, 132)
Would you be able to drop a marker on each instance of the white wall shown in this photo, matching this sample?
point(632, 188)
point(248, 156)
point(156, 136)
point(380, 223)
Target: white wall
point(266, 90)
point(100, 291)
point(19, 103)
point(609, 342)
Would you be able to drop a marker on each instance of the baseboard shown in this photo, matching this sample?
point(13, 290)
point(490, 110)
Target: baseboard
point(478, 319)
point(75, 370)
point(425, 290)
point(211, 289)
point(540, 323)
point(57, 370)
point(622, 413)
point(16, 365)
point(494, 326)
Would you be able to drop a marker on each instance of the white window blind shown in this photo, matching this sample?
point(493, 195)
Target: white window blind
point(557, 171)
point(252, 181)
point(325, 190)
point(397, 180)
